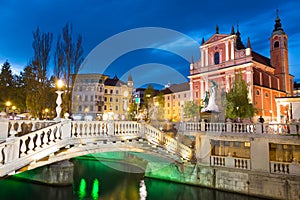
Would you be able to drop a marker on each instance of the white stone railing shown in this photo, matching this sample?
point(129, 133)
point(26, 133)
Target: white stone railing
point(247, 128)
point(231, 162)
point(12, 128)
point(292, 168)
point(157, 137)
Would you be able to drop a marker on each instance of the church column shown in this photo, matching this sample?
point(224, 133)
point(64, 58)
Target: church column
point(227, 83)
point(206, 57)
point(226, 51)
point(232, 51)
point(249, 83)
point(201, 88)
point(191, 90)
point(202, 58)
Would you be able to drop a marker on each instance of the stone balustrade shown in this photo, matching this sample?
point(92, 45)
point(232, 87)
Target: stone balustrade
point(231, 162)
point(292, 168)
point(247, 128)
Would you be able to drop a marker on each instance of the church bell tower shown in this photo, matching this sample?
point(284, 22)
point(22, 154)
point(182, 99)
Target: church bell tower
point(279, 56)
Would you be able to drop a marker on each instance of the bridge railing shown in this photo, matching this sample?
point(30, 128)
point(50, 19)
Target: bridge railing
point(11, 128)
point(172, 145)
point(248, 128)
point(104, 128)
point(19, 151)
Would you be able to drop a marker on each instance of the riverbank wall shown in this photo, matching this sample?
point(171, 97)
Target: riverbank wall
point(265, 185)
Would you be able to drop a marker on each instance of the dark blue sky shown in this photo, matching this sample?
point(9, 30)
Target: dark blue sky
point(98, 20)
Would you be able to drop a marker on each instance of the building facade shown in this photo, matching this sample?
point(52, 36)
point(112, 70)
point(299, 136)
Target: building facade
point(175, 97)
point(96, 96)
point(224, 55)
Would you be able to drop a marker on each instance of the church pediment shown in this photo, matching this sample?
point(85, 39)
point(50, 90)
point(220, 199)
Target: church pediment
point(215, 38)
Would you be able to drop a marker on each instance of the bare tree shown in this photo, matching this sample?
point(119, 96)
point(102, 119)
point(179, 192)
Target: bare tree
point(68, 58)
point(41, 45)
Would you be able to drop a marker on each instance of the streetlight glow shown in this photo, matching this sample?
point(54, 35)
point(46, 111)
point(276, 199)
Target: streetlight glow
point(59, 84)
point(8, 103)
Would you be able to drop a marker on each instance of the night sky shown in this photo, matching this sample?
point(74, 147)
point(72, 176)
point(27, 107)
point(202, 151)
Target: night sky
point(99, 21)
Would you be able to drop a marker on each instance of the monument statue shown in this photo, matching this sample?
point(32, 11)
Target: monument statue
point(211, 106)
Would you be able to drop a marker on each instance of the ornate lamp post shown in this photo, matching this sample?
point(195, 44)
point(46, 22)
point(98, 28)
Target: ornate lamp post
point(59, 92)
point(13, 109)
point(46, 112)
point(7, 104)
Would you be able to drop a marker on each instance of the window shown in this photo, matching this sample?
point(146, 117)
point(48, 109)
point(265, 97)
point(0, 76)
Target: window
point(196, 95)
point(105, 99)
point(257, 92)
point(117, 100)
point(92, 98)
point(236, 144)
point(105, 91)
point(184, 95)
point(105, 107)
point(111, 91)
point(117, 107)
point(86, 98)
point(226, 143)
point(80, 108)
point(217, 58)
point(276, 44)
point(91, 108)
point(117, 91)
point(111, 99)
point(267, 95)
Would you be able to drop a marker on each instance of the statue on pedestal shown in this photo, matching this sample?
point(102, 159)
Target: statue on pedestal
point(211, 105)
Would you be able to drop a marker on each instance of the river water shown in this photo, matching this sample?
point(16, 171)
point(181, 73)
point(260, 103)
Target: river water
point(97, 180)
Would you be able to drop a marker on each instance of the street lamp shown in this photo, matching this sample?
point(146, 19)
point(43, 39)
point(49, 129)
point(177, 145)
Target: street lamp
point(59, 85)
point(13, 109)
point(46, 112)
point(7, 104)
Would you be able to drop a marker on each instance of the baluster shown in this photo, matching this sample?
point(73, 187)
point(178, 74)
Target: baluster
point(45, 139)
point(74, 130)
point(1, 156)
point(31, 144)
point(51, 136)
point(38, 141)
point(13, 132)
point(23, 147)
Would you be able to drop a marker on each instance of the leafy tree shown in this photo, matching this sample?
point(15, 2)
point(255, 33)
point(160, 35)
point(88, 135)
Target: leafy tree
point(191, 109)
point(160, 107)
point(6, 83)
point(148, 100)
point(237, 102)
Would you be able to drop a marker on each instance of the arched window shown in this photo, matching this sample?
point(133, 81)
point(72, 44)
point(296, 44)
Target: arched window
point(217, 58)
point(276, 44)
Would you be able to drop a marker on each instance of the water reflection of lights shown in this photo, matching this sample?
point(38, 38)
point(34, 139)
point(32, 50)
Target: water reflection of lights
point(95, 190)
point(143, 190)
point(82, 189)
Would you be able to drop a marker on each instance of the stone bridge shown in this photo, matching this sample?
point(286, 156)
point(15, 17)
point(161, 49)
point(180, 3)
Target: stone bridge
point(26, 145)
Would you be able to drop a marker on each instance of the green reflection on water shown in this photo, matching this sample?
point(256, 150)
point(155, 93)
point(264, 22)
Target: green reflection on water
point(95, 189)
point(82, 189)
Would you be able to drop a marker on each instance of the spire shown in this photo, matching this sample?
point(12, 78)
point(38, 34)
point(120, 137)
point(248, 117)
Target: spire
point(217, 29)
point(248, 43)
point(203, 40)
point(277, 26)
point(239, 43)
point(192, 60)
point(129, 78)
point(232, 30)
